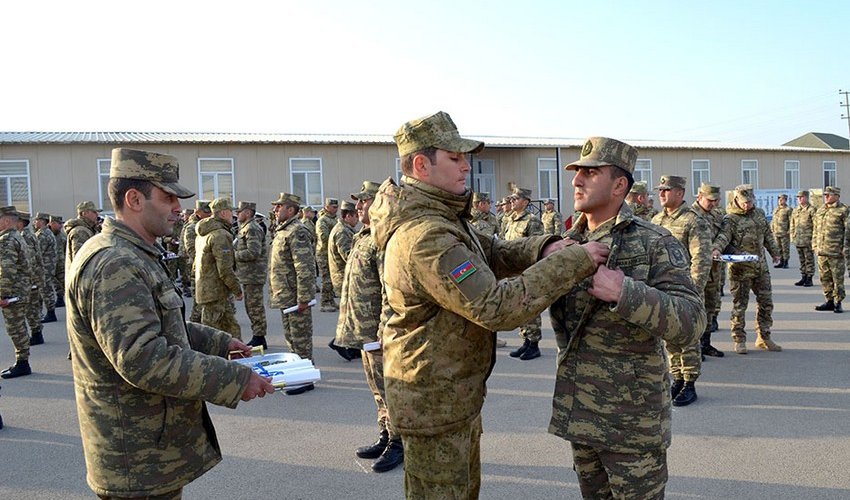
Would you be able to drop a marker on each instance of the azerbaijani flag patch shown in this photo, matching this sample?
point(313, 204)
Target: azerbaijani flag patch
point(463, 271)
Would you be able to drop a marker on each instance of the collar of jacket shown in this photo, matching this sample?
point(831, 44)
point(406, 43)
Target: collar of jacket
point(624, 217)
point(678, 212)
point(458, 204)
point(287, 223)
point(114, 227)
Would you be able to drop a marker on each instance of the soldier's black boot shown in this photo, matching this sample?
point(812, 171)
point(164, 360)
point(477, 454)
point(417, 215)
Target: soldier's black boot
point(778, 264)
point(829, 305)
point(517, 353)
point(785, 264)
point(531, 352)
point(50, 317)
point(391, 458)
point(60, 302)
point(808, 282)
point(838, 308)
point(801, 282)
point(37, 338)
point(375, 449)
point(256, 340)
point(20, 369)
point(342, 351)
point(686, 396)
point(676, 387)
point(714, 325)
point(707, 348)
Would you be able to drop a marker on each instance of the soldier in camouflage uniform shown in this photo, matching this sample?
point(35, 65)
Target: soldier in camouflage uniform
point(35, 302)
point(339, 244)
point(612, 391)
point(553, 222)
point(706, 207)
point(802, 226)
point(745, 230)
point(447, 303)
point(187, 242)
point(650, 205)
point(781, 225)
point(183, 261)
point(522, 225)
point(15, 283)
point(482, 219)
point(502, 211)
point(61, 244)
point(292, 278)
point(324, 225)
point(308, 216)
point(47, 244)
point(251, 261)
point(79, 230)
point(832, 245)
point(141, 373)
point(693, 233)
point(216, 285)
point(637, 201)
point(171, 243)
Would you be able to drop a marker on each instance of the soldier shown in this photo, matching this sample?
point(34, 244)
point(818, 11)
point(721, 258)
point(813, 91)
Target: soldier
point(522, 225)
point(447, 303)
point(292, 278)
point(502, 211)
point(482, 219)
point(216, 284)
point(308, 218)
point(832, 244)
point(171, 243)
point(187, 242)
point(47, 244)
point(781, 225)
point(745, 230)
point(637, 201)
point(79, 230)
point(339, 244)
point(612, 392)
point(61, 246)
point(15, 285)
point(650, 205)
point(140, 369)
point(360, 308)
point(552, 221)
point(326, 222)
point(35, 302)
point(251, 260)
point(706, 208)
point(183, 260)
point(802, 226)
point(693, 233)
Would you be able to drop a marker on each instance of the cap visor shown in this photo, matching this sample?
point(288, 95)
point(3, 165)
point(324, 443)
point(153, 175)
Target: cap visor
point(586, 163)
point(175, 189)
point(461, 145)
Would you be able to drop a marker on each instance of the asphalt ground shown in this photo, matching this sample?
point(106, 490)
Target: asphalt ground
point(766, 425)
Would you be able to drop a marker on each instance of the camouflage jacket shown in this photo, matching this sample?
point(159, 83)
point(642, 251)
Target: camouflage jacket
point(442, 281)
point(485, 222)
point(15, 279)
point(641, 211)
point(360, 301)
point(694, 234)
point(187, 237)
point(324, 224)
point(553, 223)
point(172, 241)
point(802, 225)
point(746, 233)
point(523, 225)
point(141, 373)
point(781, 222)
point(713, 219)
point(61, 251)
point(215, 278)
point(78, 231)
point(311, 226)
point(47, 243)
point(831, 234)
point(339, 246)
point(612, 388)
point(251, 254)
point(292, 266)
point(34, 255)
point(504, 220)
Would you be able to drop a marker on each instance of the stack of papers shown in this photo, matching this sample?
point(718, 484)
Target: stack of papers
point(739, 258)
point(287, 370)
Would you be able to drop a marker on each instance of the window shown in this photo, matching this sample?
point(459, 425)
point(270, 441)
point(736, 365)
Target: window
point(547, 179)
point(483, 176)
point(750, 172)
point(792, 174)
point(15, 184)
point(829, 174)
point(700, 173)
point(103, 166)
point(305, 176)
point(643, 172)
point(215, 178)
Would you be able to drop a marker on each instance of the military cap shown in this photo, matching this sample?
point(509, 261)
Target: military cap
point(10, 210)
point(220, 204)
point(710, 192)
point(42, 216)
point(307, 207)
point(832, 190)
point(87, 205)
point(161, 170)
point(202, 205)
point(550, 201)
point(670, 182)
point(367, 191)
point(57, 219)
point(782, 196)
point(479, 197)
point(246, 205)
point(24, 216)
point(803, 193)
point(601, 151)
point(638, 188)
point(288, 199)
point(744, 193)
point(519, 192)
point(347, 205)
point(433, 131)
point(505, 201)
point(331, 201)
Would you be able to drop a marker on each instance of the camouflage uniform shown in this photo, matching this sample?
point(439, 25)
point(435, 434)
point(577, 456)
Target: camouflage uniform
point(553, 223)
point(215, 278)
point(172, 245)
point(523, 225)
point(47, 243)
point(251, 260)
point(642, 211)
point(781, 224)
point(324, 225)
point(15, 281)
point(832, 245)
point(339, 246)
point(802, 227)
point(311, 226)
point(61, 250)
point(35, 302)
point(711, 293)
point(187, 243)
point(486, 223)
point(78, 231)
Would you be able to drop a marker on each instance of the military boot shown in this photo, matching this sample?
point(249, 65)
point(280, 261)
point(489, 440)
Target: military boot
point(517, 353)
point(778, 264)
point(741, 347)
point(256, 340)
point(707, 348)
point(785, 264)
point(375, 449)
point(392, 456)
point(50, 317)
point(801, 282)
point(808, 282)
point(676, 387)
point(37, 338)
point(687, 395)
point(21, 368)
point(60, 302)
point(829, 305)
point(342, 351)
point(838, 308)
point(714, 325)
point(531, 352)
point(767, 344)
point(300, 390)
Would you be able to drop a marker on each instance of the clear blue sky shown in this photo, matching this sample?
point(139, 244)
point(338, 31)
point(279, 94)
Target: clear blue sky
point(753, 72)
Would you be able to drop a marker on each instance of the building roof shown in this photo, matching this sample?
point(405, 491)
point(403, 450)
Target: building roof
point(110, 138)
point(820, 140)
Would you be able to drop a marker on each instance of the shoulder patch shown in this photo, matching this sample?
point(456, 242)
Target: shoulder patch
point(677, 256)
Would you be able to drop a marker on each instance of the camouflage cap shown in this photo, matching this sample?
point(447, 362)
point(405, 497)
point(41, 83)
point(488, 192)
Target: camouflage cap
point(288, 199)
point(307, 207)
point(24, 216)
point(161, 170)
point(434, 131)
point(638, 188)
point(220, 204)
point(347, 205)
point(57, 219)
point(709, 192)
point(782, 196)
point(519, 192)
point(504, 201)
point(802, 193)
point(331, 202)
point(202, 205)
point(479, 197)
point(10, 211)
point(550, 201)
point(367, 191)
point(246, 205)
point(832, 190)
point(744, 193)
point(601, 151)
point(87, 205)
point(42, 216)
point(670, 182)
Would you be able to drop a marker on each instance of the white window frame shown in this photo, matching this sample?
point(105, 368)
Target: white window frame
point(8, 193)
point(550, 167)
point(102, 191)
point(792, 167)
point(697, 180)
point(216, 174)
point(307, 186)
point(745, 169)
point(833, 170)
point(642, 177)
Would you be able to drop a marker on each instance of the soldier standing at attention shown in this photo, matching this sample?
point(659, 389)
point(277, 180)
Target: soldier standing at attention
point(79, 230)
point(522, 225)
point(693, 233)
point(307, 218)
point(482, 219)
point(251, 269)
point(324, 225)
point(637, 201)
point(447, 303)
point(781, 224)
point(745, 230)
point(832, 244)
point(802, 226)
point(47, 244)
point(216, 284)
point(15, 285)
point(706, 208)
point(34, 318)
point(187, 241)
point(612, 389)
point(171, 243)
point(552, 221)
point(139, 369)
point(183, 260)
point(339, 244)
point(501, 211)
point(292, 278)
point(61, 247)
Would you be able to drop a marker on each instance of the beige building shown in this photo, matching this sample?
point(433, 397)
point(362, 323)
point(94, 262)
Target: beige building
point(51, 172)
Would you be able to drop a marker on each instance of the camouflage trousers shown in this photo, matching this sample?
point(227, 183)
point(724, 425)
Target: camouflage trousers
point(171, 495)
point(298, 332)
point(195, 315)
point(327, 283)
point(373, 366)
point(221, 314)
point(685, 363)
point(444, 467)
point(255, 307)
point(186, 278)
point(531, 331)
point(711, 293)
point(34, 310)
point(59, 282)
point(832, 277)
point(783, 241)
point(606, 474)
point(807, 260)
point(14, 316)
point(740, 288)
point(48, 294)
